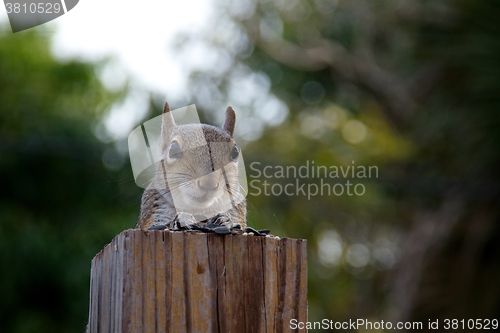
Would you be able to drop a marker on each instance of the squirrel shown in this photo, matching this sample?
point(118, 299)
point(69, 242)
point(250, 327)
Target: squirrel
point(196, 181)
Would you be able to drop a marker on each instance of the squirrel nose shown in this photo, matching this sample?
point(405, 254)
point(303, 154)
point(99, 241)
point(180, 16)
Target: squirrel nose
point(207, 185)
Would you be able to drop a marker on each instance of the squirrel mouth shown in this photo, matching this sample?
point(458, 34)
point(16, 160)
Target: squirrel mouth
point(201, 199)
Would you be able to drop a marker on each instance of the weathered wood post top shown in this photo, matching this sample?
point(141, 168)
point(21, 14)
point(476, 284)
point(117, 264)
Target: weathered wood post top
point(164, 281)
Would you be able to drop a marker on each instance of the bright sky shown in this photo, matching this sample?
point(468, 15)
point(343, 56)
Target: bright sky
point(139, 34)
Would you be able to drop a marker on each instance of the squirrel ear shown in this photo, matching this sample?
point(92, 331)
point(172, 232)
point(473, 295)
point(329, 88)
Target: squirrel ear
point(230, 120)
point(168, 123)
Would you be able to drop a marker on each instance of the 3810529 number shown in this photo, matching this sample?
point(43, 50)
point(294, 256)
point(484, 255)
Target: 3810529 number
point(478, 324)
point(32, 8)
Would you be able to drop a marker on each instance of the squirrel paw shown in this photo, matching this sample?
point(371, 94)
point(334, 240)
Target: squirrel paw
point(183, 221)
point(221, 219)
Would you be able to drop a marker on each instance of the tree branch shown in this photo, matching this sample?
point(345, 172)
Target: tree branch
point(323, 53)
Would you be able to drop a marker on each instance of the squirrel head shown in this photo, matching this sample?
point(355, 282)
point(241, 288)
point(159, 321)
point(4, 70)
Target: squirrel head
point(200, 164)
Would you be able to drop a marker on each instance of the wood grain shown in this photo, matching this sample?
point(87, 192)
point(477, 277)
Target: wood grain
point(162, 281)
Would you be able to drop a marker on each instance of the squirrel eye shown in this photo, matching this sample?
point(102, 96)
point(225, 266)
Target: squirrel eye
point(175, 150)
point(235, 153)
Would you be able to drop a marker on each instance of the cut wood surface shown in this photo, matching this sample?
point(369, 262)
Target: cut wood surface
point(163, 281)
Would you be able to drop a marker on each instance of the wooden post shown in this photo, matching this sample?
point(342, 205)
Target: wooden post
point(162, 281)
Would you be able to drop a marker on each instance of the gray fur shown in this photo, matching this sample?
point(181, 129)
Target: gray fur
point(206, 152)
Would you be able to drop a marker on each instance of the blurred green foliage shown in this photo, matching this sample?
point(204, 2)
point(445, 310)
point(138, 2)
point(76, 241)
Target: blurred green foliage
point(59, 205)
point(409, 86)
